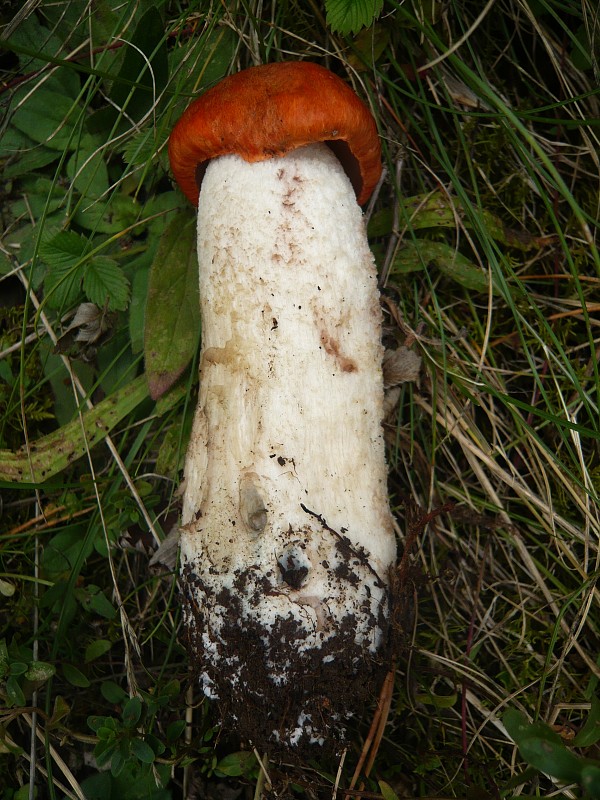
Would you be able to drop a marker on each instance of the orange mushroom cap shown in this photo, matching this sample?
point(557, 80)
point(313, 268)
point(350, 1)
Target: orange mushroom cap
point(267, 111)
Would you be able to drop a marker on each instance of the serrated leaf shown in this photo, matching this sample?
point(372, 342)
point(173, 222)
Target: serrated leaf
point(63, 249)
point(64, 254)
point(88, 173)
point(172, 319)
point(48, 118)
point(63, 286)
point(105, 284)
point(349, 16)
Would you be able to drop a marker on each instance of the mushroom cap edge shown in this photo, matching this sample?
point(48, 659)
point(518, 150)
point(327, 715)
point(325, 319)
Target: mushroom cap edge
point(266, 111)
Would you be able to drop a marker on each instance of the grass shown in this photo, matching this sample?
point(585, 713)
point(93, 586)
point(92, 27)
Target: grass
point(485, 231)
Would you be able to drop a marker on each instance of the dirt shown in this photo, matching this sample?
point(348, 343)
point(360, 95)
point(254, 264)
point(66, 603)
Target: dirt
point(277, 693)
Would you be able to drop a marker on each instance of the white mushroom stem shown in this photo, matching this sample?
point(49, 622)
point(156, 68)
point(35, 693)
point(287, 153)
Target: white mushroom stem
point(287, 536)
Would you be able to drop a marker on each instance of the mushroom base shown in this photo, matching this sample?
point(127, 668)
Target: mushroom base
point(287, 681)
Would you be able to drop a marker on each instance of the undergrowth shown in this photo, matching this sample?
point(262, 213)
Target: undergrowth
point(485, 233)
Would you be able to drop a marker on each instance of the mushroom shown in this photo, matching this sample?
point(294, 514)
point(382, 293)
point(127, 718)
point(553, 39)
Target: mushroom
point(287, 537)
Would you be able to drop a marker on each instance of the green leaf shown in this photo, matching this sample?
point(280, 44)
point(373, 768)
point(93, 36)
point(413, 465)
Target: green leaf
point(155, 743)
point(349, 16)
point(14, 693)
point(74, 676)
point(96, 649)
point(552, 758)
point(100, 604)
point(64, 249)
point(52, 453)
point(95, 722)
point(414, 256)
point(142, 751)
point(236, 764)
point(112, 692)
point(212, 53)
point(590, 733)
point(387, 791)
point(519, 728)
point(542, 748)
point(104, 750)
point(145, 65)
point(590, 779)
point(88, 173)
point(132, 711)
point(172, 312)
point(64, 253)
point(40, 671)
point(7, 589)
point(437, 210)
point(105, 284)
point(437, 700)
point(171, 690)
point(118, 763)
point(137, 307)
point(60, 710)
point(47, 117)
point(175, 730)
point(63, 286)
point(32, 158)
point(368, 47)
point(31, 35)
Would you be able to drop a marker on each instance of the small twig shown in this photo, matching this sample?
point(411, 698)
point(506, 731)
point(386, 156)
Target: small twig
point(338, 776)
point(376, 732)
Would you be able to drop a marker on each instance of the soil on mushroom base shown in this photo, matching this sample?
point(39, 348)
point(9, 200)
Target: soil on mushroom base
point(277, 696)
